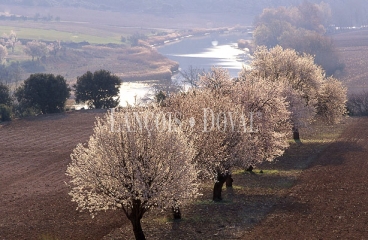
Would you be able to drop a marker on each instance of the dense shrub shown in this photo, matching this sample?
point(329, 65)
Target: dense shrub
point(46, 93)
point(98, 90)
point(5, 97)
point(5, 113)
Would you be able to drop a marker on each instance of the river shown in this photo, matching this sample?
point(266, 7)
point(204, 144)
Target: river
point(198, 52)
point(205, 52)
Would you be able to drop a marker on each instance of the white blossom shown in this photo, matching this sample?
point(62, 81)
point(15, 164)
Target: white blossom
point(117, 168)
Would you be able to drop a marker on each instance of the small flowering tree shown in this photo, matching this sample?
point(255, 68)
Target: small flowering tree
point(132, 162)
point(11, 40)
point(332, 100)
point(36, 49)
point(54, 47)
point(310, 94)
point(270, 120)
point(303, 82)
point(3, 53)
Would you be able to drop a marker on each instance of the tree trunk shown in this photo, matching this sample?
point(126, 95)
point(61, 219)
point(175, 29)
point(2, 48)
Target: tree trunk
point(217, 189)
point(137, 229)
point(229, 181)
point(135, 218)
point(296, 134)
point(176, 212)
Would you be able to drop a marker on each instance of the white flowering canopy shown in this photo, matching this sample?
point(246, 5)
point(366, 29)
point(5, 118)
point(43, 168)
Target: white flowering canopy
point(309, 93)
point(241, 123)
point(119, 166)
point(270, 119)
point(332, 101)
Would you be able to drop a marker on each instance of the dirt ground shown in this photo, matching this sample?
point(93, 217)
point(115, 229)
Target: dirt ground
point(329, 200)
point(34, 203)
point(353, 50)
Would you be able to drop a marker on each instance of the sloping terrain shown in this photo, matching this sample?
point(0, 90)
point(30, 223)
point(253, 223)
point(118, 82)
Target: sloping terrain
point(329, 200)
point(326, 200)
point(34, 200)
point(35, 204)
point(353, 50)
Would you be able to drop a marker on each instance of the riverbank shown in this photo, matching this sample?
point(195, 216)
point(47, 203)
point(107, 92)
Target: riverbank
point(161, 67)
point(157, 41)
point(138, 63)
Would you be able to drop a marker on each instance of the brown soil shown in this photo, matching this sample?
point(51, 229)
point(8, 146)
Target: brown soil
point(34, 202)
point(353, 50)
point(329, 200)
point(326, 200)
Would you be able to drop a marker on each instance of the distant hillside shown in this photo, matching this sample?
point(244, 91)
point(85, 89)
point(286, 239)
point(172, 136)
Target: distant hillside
point(344, 12)
point(156, 6)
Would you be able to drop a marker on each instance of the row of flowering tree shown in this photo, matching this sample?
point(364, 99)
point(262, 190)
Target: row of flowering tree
point(155, 157)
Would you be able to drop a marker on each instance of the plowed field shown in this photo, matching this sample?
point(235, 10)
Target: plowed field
point(34, 200)
point(330, 199)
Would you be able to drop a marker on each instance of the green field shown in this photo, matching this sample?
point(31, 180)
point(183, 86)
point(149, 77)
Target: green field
point(53, 34)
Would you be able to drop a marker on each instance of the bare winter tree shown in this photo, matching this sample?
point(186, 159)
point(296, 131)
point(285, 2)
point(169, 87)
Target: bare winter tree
point(132, 162)
point(191, 76)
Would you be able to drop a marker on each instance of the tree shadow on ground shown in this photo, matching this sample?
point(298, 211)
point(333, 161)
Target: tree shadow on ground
point(304, 155)
point(334, 153)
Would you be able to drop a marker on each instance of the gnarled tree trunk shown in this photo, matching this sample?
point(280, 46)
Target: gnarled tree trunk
point(217, 189)
point(135, 218)
point(296, 134)
point(176, 212)
point(229, 181)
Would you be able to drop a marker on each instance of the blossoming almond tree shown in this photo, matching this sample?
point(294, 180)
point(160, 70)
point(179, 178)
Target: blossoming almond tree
point(239, 124)
point(207, 121)
point(301, 78)
point(332, 100)
point(270, 120)
point(132, 164)
point(298, 70)
point(263, 109)
point(303, 82)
